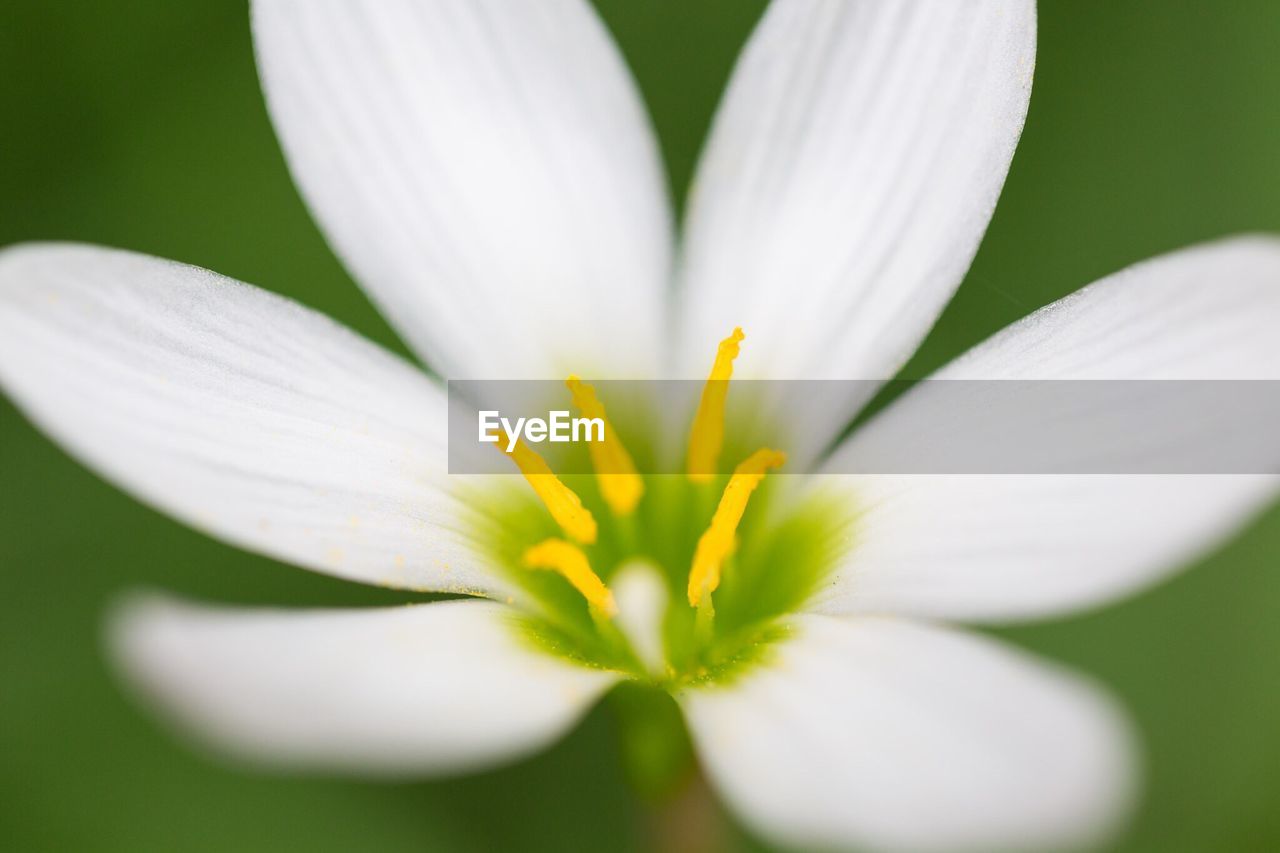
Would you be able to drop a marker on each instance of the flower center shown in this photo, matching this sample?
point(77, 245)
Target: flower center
point(730, 559)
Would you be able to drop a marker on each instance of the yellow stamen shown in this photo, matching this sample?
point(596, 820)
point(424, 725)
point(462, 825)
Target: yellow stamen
point(707, 435)
point(718, 541)
point(569, 561)
point(561, 501)
point(620, 485)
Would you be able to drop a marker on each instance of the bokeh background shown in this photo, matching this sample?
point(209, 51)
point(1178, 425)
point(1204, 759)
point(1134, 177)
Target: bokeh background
point(139, 123)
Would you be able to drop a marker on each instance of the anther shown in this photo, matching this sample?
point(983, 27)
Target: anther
point(561, 501)
point(718, 541)
point(707, 436)
point(568, 560)
point(620, 485)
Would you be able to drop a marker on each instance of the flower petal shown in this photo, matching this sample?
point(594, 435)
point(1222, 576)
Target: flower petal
point(243, 414)
point(899, 735)
point(485, 169)
point(849, 177)
point(1015, 547)
point(424, 689)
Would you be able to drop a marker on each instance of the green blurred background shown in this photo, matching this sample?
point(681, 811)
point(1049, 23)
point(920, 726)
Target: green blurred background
point(139, 123)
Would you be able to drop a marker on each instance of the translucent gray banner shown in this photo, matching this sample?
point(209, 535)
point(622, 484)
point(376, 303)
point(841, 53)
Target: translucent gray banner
point(978, 427)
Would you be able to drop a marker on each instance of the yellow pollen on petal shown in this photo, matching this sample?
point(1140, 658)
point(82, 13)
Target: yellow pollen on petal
point(561, 501)
point(620, 485)
point(567, 559)
point(719, 539)
point(707, 436)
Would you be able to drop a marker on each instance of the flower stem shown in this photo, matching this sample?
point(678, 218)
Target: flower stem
point(689, 821)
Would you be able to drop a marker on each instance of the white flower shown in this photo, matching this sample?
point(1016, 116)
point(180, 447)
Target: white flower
point(486, 170)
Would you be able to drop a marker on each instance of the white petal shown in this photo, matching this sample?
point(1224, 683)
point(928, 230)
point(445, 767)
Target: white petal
point(1205, 312)
point(486, 170)
point(850, 175)
point(243, 414)
point(424, 689)
point(899, 735)
point(1012, 547)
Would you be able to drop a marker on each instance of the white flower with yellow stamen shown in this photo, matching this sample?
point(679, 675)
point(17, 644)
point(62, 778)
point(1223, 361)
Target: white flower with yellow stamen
point(486, 170)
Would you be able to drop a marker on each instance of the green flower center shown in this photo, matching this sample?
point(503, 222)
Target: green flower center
point(781, 558)
point(733, 553)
